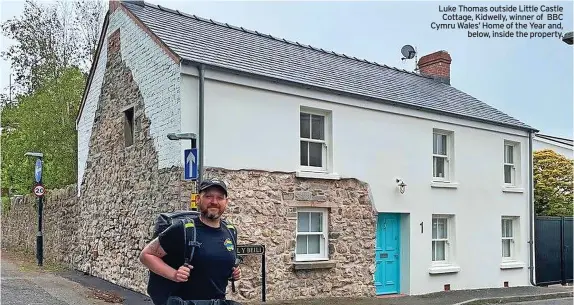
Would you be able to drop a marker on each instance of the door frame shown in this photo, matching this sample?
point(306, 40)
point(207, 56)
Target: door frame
point(398, 217)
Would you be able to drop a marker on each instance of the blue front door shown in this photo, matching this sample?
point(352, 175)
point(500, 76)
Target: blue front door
point(387, 251)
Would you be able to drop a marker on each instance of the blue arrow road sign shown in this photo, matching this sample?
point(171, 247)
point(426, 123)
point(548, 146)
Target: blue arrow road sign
point(38, 170)
point(190, 158)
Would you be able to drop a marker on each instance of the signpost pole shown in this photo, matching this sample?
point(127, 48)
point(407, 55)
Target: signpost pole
point(39, 192)
point(195, 182)
point(263, 277)
point(40, 236)
point(243, 250)
point(191, 172)
point(190, 159)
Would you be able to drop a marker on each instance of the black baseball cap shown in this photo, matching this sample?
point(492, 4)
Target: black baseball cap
point(205, 184)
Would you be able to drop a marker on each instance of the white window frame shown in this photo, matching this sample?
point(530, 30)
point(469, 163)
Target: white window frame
point(514, 166)
point(324, 236)
point(449, 261)
point(448, 158)
point(512, 239)
point(445, 240)
point(324, 168)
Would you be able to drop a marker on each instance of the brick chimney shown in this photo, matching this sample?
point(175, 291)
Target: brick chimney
point(436, 65)
point(113, 5)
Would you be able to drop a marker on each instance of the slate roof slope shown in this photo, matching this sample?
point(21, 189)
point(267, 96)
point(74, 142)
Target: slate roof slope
point(219, 44)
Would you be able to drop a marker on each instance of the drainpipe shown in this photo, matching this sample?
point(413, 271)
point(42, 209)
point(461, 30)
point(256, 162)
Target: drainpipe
point(531, 207)
point(201, 148)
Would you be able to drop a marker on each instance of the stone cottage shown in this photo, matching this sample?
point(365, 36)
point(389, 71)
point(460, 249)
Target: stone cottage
point(360, 179)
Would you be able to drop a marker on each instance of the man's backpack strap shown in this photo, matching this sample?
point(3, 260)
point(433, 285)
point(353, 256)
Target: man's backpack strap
point(233, 232)
point(190, 239)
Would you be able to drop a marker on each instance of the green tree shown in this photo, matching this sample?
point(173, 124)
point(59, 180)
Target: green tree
point(43, 121)
point(54, 46)
point(50, 38)
point(553, 178)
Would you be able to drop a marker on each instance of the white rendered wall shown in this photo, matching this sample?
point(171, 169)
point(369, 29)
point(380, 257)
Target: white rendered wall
point(158, 79)
point(252, 126)
point(189, 109)
point(540, 144)
point(86, 121)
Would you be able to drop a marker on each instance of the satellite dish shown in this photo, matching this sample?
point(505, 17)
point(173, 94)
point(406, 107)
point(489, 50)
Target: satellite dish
point(408, 52)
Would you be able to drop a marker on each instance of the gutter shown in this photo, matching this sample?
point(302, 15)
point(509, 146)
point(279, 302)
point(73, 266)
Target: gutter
point(555, 140)
point(201, 149)
point(531, 209)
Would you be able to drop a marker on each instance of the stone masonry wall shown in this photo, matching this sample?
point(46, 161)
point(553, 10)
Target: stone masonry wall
point(158, 78)
point(103, 231)
point(104, 236)
point(263, 208)
point(124, 189)
point(59, 223)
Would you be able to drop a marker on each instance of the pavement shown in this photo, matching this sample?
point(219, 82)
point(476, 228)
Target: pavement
point(566, 301)
point(21, 286)
point(460, 297)
point(24, 283)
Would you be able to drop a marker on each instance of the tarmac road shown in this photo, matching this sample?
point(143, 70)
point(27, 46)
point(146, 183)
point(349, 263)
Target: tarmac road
point(34, 288)
point(23, 283)
point(567, 301)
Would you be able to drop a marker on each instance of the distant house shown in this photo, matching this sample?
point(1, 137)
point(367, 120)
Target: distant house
point(568, 38)
point(560, 145)
point(360, 179)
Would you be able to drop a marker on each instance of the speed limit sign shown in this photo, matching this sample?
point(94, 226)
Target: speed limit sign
point(39, 190)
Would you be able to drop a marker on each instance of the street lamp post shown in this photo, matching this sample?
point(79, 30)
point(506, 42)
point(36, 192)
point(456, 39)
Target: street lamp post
point(39, 192)
point(183, 136)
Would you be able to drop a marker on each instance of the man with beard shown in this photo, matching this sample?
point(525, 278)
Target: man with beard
point(206, 277)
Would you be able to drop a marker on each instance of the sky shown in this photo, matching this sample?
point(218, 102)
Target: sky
point(531, 79)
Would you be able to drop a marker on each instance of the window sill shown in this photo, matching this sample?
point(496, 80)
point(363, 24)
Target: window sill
point(511, 265)
point(317, 175)
point(310, 265)
point(512, 189)
point(440, 184)
point(443, 269)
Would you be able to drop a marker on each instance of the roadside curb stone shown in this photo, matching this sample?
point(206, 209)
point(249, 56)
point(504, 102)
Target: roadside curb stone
point(522, 298)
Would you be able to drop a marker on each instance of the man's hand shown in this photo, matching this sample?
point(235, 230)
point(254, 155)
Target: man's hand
point(236, 273)
point(182, 273)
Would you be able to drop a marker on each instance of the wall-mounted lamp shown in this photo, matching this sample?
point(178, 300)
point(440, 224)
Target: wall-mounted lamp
point(402, 185)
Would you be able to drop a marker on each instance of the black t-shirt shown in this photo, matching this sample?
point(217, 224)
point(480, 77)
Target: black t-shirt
point(212, 262)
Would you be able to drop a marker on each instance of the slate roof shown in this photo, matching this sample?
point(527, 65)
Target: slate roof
point(217, 44)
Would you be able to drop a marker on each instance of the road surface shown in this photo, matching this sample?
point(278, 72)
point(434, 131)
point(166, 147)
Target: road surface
point(35, 288)
point(567, 301)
